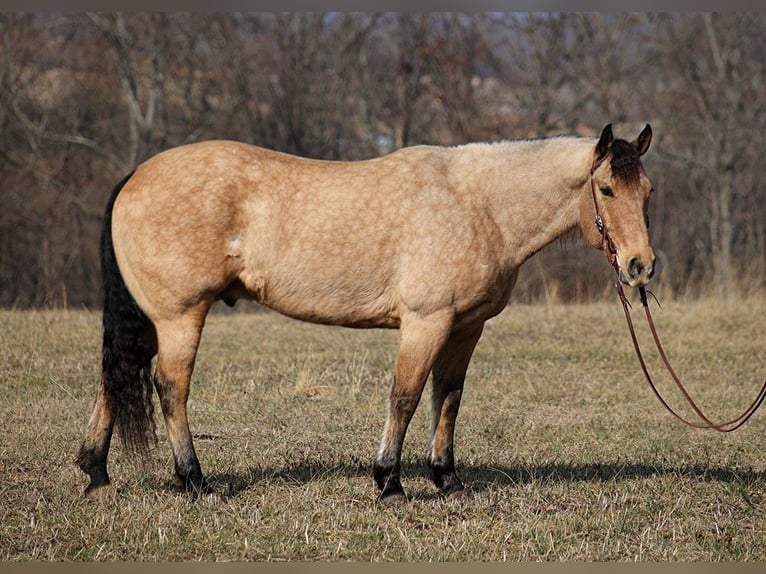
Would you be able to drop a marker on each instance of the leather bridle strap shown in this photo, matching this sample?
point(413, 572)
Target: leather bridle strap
point(727, 426)
point(611, 253)
point(608, 246)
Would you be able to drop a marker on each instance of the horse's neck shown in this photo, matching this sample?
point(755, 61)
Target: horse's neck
point(532, 188)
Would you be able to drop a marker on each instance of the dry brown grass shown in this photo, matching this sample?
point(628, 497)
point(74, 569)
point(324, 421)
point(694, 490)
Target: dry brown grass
point(566, 453)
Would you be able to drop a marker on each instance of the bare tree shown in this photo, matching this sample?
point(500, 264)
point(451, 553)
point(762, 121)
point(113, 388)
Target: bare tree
point(47, 221)
point(85, 97)
point(715, 89)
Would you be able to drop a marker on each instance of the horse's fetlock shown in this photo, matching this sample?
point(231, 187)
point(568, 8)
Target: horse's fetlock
point(390, 486)
point(189, 470)
point(85, 459)
point(92, 461)
point(445, 478)
point(381, 474)
point(442, 471)
point(385, 472)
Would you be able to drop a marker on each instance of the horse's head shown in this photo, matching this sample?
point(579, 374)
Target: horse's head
point(619, 193)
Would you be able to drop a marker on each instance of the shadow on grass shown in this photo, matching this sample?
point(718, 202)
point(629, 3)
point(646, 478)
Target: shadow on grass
point(479, 478)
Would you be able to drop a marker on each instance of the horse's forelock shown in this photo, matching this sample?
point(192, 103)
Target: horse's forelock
point(626, 163)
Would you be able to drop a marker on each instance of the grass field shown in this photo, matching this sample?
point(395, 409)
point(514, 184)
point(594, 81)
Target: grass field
point(567, 454)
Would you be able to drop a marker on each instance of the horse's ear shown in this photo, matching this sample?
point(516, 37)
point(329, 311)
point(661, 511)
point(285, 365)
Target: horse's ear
point(603, 146)
point(641, 143)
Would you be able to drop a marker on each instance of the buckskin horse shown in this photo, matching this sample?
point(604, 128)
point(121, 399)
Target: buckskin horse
point(426, 239)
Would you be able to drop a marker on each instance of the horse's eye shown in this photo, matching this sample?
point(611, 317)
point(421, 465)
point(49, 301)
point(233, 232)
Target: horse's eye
point(607, 191)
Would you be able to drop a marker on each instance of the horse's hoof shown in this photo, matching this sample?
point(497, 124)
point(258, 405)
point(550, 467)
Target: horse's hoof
point(455, 494)
point(197, 489)
point(100, 492)
point(392, 498)
point(450, 485)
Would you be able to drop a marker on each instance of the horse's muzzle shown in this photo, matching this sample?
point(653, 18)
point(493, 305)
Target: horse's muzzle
point(638, 274)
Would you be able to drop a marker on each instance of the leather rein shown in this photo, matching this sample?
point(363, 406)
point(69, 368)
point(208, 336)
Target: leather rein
point(610, 250)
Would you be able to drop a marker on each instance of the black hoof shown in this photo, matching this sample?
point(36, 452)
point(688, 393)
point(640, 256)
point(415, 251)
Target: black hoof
point(390, 485)
point(392, 498)
point(193, 482)
point(452, 488)
point(195, 487)
point(100, 490)
point(445, 478)
point(189, 477)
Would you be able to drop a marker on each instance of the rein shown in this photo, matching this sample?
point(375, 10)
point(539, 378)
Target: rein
point(611, 252)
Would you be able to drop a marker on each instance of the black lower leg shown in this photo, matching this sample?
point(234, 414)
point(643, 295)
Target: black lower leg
point(189, 475)
point(388, 479)
point(93, 464)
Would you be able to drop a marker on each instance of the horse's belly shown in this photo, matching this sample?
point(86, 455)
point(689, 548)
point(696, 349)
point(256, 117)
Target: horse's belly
point(327, 311)
point(325, 299)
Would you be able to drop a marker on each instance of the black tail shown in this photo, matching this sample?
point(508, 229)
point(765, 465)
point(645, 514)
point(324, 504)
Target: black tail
point(129, 344)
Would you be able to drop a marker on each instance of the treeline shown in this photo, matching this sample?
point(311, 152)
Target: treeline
point(85, 97)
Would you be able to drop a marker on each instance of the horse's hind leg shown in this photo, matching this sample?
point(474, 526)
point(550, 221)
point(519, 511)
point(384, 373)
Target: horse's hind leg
point(421, 339)
point(449, 375)
point(95, 448)
point(177, 349)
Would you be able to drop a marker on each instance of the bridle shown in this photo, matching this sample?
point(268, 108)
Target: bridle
point(610, 250)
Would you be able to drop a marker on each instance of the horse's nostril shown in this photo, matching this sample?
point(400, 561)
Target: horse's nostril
point(635, 267)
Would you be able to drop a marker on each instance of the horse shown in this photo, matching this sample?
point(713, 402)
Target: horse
point(426, 239)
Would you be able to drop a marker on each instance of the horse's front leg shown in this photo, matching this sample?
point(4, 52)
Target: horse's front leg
point(449, 375)
point(421, 340)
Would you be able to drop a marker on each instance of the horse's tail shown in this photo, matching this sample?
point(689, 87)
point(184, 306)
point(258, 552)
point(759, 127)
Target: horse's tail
point(129, 343)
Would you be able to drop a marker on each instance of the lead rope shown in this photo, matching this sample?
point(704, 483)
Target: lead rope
point(611, 254)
